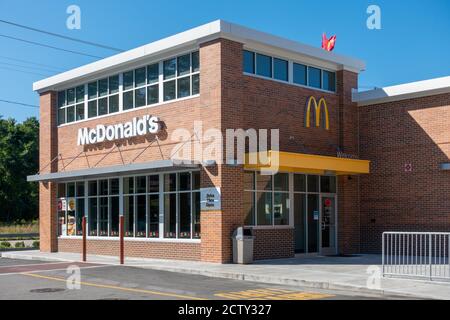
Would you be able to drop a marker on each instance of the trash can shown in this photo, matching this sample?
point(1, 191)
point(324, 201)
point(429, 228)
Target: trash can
point(243, 245)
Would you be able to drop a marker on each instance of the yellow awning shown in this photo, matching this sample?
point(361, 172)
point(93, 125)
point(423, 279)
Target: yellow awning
point(305, 163)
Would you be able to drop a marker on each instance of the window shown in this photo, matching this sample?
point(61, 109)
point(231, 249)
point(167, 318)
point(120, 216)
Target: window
point(141, 198)
point(328, 184)
point(103, 207)
point(329, 81)
point(71, 105)
point(263, 65)
point(280, 69)
point(313, 183)
point(249, 62)
point(182, 205)
point(70, 208)
point(314, 77)
point(140, 87)
point(300, 74)
point(266, 199)
point(103, 96)
point(181, 78)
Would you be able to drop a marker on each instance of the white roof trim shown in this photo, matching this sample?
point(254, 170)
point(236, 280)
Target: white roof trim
point(403, 91)
point(195, 36)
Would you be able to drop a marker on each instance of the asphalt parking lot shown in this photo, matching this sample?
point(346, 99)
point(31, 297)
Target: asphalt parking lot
point(39, 280)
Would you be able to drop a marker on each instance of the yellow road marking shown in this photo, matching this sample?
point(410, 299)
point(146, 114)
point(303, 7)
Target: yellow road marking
point(90, 284)
point(272, 294)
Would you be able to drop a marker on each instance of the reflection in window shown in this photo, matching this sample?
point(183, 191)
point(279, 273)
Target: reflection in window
point(153, 209)
point(92, 217)
point(280, 69)
point(264, 208)
point(329, 81)
point(249, 62)
point(281, 208)
point(141, 206)
point(184, 215)
point(115, 213)
point(300, 74)
point(263, 65)
point(314, 77)
point(170, 215)
point(128, 213)
point(141, 216)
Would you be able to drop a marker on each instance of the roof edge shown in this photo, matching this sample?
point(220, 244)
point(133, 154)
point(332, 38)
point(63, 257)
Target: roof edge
point(197, 35)
point(404, 91)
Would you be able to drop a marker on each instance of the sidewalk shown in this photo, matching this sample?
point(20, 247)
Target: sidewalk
point(335, 273)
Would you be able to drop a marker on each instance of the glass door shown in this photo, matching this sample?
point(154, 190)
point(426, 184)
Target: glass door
point(300, 222)
point(313, 223)
point(328, 225)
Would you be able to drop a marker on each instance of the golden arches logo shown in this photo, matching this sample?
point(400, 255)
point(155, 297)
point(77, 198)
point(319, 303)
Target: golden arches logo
point(317, 113)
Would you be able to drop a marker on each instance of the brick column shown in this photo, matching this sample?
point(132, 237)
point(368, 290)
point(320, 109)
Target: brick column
point(349, 223)
point(221, 99)
point(47, 190)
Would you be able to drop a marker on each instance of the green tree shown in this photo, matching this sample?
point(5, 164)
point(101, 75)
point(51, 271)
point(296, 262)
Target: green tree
point(19, 157)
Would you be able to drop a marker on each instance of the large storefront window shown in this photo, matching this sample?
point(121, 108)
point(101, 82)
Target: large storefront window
point(175, 197)
point(70, 208)
point(103, 207)
point(266, 199)
point(182, 205)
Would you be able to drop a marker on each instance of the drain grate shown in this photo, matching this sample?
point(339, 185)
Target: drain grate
point(47, 290)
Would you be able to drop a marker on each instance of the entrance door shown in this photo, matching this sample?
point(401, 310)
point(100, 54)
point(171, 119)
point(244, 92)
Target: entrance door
point(300, 222)
point(313, 223)
point(328, 225)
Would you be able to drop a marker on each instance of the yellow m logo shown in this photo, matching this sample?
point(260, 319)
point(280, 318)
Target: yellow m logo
point(317, 113)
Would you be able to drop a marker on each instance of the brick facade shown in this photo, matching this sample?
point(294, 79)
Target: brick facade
point(228, 99)
point(411, 133)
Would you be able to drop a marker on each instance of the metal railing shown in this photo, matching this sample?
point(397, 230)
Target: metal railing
point(423, 255)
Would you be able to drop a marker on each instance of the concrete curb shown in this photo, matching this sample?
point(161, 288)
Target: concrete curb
point(288, 281)
point(326, 285)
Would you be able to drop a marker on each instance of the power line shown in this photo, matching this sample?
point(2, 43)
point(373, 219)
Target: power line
point(62, 36)
point(26, 67)
point(29, 72)
point(20, 103)
point(32, 62)
point(48, 46)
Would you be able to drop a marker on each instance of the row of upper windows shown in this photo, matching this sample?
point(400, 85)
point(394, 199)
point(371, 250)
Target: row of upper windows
point(171, 79)
point(278, 69)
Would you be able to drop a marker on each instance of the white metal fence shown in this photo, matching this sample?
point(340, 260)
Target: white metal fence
point(423, 255)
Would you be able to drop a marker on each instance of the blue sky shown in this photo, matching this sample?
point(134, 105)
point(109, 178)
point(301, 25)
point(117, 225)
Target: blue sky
point(414, 43)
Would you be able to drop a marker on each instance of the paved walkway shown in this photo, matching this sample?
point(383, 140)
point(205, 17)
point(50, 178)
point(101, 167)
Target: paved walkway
point(335, 273)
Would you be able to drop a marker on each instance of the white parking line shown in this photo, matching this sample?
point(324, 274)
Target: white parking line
point(49, 270)
point(32, 264)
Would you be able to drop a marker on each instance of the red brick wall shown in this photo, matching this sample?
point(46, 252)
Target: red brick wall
point(273, 244)
point(47, 191)
point(349, 224)
point(412, 131)
point(134, 249)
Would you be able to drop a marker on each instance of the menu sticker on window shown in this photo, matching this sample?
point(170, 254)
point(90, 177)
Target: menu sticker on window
point(210, 199)
point(316, 215)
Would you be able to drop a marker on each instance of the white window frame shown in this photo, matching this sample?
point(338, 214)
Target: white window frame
point(147, 194)
point(121, 91)
point(291, 71)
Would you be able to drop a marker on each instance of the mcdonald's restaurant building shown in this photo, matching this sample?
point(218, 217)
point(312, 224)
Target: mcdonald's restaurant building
point(351, 165)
